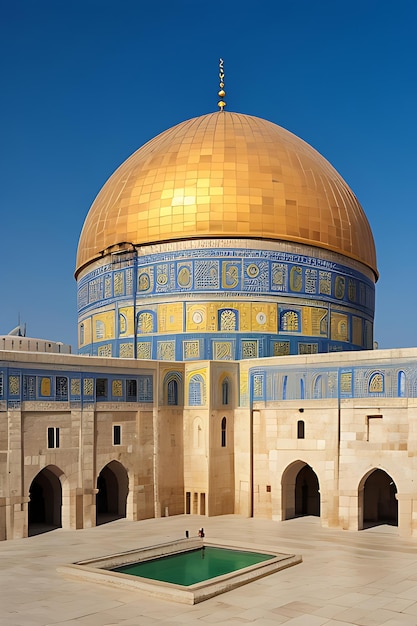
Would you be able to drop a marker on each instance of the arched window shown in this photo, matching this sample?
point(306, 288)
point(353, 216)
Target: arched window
point(302, 388)
point(300, 429)
point(376, 383)
point(172, 393)
point(401, 384)
point(225, 391)
point(228, 319)
point(173, 389)
point(82, 334)
point(145, 323)
point(317, 389)
point(195, 394)
point(224, 432)
point(289, 321)
point(122, 324)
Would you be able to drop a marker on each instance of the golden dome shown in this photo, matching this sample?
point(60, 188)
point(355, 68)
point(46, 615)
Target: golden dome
point(227, 175)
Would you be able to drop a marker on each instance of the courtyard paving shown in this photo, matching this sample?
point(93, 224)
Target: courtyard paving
point(367, 578)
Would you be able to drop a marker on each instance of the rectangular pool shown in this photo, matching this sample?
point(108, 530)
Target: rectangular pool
point(194, 566)
point(208, 568)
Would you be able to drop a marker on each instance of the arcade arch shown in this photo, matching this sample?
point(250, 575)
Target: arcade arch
point(45, 501)
point(300, 491)
point(112, 490)
point(377, 500)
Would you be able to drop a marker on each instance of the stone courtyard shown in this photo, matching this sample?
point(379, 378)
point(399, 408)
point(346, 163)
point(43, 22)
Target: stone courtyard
point(367, 578)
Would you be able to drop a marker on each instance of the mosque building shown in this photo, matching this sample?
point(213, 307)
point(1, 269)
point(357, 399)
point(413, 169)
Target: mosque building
point(225, 237)
point(226, 288)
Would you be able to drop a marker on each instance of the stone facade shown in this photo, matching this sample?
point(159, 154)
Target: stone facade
point(83, 440)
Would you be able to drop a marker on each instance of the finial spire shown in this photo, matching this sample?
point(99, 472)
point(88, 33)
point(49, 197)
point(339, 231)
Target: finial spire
point(221, 104)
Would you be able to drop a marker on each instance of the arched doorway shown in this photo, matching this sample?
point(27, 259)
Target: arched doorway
point(300, 491)
point(45, 502)
point(113, 487)
point(307, 495)
point(377, 501)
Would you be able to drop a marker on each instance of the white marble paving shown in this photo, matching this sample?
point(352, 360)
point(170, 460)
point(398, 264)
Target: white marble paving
point(366, 578)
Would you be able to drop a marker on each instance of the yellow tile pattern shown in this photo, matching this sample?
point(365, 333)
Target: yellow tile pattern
point(227, 175)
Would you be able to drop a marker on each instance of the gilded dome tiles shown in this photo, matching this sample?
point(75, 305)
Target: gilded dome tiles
point(227, 175)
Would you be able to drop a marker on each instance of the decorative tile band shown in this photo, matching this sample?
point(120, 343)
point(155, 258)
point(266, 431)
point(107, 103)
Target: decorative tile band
point(238, 271)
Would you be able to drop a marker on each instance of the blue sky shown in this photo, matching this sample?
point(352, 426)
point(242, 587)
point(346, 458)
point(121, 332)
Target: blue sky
point(87, 82)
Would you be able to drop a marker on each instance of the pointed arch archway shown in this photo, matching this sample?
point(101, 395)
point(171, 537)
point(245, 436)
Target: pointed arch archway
point(377, 500)
point(112, 490)
point(300, 491)
point(45, 501)
point(173, 391)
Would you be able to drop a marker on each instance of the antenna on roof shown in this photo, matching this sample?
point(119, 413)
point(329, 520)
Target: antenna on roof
point(20, 330)
point(221, 104)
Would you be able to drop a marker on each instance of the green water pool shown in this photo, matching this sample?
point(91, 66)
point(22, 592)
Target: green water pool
point(195, 566)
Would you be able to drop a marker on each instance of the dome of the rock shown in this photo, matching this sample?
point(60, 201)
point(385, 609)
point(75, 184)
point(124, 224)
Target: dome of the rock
point(225, 237)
